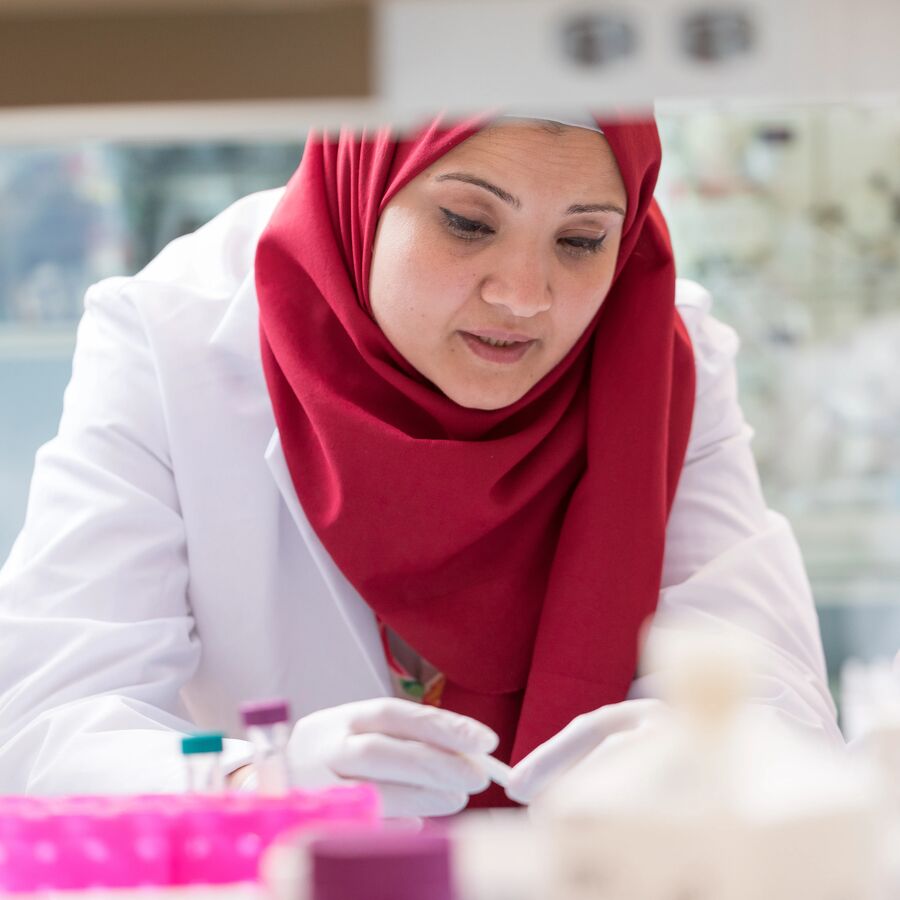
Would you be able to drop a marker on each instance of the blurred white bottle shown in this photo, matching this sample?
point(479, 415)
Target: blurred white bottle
point(721, 800)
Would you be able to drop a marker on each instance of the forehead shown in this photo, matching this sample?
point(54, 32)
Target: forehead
point(539, 154)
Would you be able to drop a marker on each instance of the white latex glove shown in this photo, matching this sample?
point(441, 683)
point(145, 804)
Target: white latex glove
point(585, 736)
point(424, 761)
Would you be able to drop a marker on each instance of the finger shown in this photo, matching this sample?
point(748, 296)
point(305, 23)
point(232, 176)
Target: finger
point(417, 722)
point(584, 733)
point(567, 748)
point(398, 800)
point(617, 744)
point(380, 758)
point(495, 769)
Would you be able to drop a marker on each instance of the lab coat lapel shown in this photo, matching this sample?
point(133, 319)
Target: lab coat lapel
point(237, 337)
point(357, 615)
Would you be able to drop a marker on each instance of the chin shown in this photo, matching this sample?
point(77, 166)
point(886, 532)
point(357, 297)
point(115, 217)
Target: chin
point(482, 399)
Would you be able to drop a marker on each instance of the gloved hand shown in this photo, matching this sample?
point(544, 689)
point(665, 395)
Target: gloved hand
point(423, 760)
point(586, 736)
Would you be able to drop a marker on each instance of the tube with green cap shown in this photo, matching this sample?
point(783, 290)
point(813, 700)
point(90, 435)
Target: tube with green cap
point(202, 757)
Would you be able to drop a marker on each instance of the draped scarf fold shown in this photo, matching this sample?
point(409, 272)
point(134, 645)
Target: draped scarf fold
point(518, 550)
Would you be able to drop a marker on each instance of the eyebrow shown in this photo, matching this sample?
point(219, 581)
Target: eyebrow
point(595, 207)
point(506, 197)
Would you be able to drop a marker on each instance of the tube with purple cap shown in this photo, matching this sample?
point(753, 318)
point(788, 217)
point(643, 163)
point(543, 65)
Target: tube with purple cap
point(268, 729)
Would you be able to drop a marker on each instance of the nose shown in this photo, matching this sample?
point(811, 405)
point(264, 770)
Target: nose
point(519, 282)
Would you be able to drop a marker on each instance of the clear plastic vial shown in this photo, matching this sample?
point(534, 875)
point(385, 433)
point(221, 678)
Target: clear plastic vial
point(203, 763)
point(268, 729)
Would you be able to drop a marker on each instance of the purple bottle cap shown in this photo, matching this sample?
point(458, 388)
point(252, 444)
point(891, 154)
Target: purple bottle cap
point(266, 712)
point(381, 865)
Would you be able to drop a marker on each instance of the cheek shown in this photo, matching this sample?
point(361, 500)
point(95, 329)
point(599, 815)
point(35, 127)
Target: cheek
point(396, 288)
point(414, 284)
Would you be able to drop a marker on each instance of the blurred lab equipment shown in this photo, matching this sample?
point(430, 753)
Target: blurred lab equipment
point(871, 714)
point(724, 799)
point(159, 840)
point(268, 729)
point(380, 865)
point(202, 758)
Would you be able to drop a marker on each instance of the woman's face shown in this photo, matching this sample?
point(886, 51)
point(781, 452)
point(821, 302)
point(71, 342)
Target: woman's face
point(490, 264)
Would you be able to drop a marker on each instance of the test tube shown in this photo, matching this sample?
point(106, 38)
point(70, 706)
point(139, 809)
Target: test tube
point(202, 758)
point(268, 729)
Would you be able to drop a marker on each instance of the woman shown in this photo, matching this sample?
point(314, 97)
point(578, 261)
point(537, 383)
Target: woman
point(427, 421)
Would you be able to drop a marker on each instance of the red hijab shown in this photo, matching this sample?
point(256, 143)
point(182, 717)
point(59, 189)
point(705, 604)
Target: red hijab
point(518, 550)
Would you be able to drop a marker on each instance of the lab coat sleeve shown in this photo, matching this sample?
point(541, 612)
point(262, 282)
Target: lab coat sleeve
point(96, 633)
point(730, 563)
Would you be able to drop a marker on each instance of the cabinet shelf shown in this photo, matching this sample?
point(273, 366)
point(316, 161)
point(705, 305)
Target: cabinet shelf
point(37, 342)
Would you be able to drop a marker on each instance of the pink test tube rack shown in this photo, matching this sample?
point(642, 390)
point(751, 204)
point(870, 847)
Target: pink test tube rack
point(58, 843)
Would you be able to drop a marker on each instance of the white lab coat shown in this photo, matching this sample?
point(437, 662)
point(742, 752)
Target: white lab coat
point(166, 571)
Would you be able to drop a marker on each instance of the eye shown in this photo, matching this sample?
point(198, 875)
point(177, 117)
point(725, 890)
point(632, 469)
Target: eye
point(583, 246)
point(466, 229)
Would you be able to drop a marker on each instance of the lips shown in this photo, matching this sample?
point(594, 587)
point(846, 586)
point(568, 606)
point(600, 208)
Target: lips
point(497, 346)
point(494, 335)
